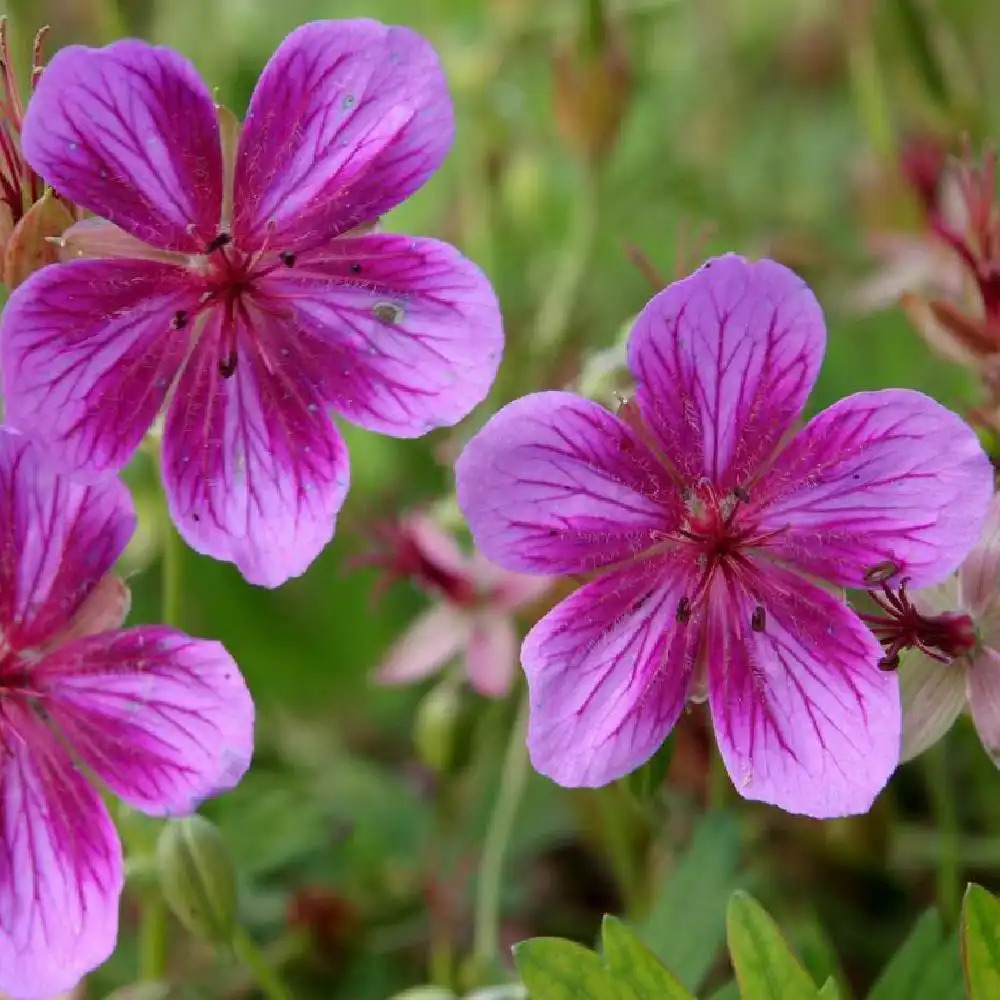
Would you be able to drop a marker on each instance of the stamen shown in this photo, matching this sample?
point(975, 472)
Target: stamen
point(355, 269)
point(220, 241)
point(741, 494)
point(759, 618)
point(881, 572)
point(180, 319)
point(227, 365)
point(684, 610)
point(287, 258)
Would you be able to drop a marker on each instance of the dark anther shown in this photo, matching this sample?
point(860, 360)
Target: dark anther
point(741, 494)
point(287, 258)
point(180, 319)
point(758, 619)
point(881, 572)
point(355, 269)
point(227, 365)
point(684, 610)
point(889, 663)
point(195, 517)
point(223, 239)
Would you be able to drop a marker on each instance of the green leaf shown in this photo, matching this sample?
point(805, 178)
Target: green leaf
point(686, 927)
point(554, 969)
point(981, 943)
point(629, 960)
point(765, 967)
point(926, 967)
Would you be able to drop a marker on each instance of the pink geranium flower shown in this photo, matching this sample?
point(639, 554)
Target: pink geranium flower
point(709, 525)
point(474, 616)
point(952, 632)
point(239, 286)
point(160, 719)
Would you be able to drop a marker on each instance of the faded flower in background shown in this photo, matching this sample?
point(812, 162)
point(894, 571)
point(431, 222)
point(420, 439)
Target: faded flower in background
point(952, 632)
point(704, 530)
point(474, 616)
point(158, 718)
point(234, 280)
point(30, 215)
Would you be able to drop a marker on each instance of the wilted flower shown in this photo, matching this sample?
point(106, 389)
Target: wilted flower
point(240, 286)
point(473, 618)
point(30, 216)
point(158, 718)
point(706, 523)
point(953, 633)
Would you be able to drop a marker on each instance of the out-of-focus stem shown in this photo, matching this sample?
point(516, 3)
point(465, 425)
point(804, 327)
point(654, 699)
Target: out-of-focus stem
point(949, 861)
point(486, 929)
point(618, 843)
point(867, 84)
point(153, 938)
point(264, 976)
point(555, 311)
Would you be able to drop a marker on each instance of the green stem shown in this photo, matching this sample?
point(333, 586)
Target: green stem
point(949, 861)
point(153, 938)
point(486, 928)
point(264, 976)
point(171, 579)
point(556, 309)
point(719, 785)
point(618, 842)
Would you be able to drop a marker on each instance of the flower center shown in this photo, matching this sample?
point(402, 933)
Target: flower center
point(901, 625)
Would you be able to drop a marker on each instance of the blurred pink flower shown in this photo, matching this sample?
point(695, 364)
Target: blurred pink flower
point(953, 632)
point(708, 522)
point(237, 284)
point(157, 718)
point(475, 614)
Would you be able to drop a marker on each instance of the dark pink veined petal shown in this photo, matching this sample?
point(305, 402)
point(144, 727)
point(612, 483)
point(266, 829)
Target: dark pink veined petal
point(254, 469)
point(410, 329)
point(491, 654)
point(162, 719)
point(556, 484)
point(877, 478)
point(348, 119)
point(58, 539)
point(129, 131)
point(724, 361)
point(60, 863)
point(608, 671)
point(89, 350)
point(803, 716)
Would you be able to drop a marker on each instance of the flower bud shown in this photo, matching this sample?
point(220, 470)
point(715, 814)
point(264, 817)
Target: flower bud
point(33, 241)
point(142, 991)
point(197, 876)
point(424, 993)
point(440, 727)
point(592, 85)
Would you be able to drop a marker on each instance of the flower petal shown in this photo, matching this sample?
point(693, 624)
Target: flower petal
point(254, 469)
point(491, 654)
point(348, 119)
point(932, 694)
point(556, 484)
point(724, 361)
point(58, 539)
point(804, 718)
point(979, 574)
point(411, 330)
point(163, 719)
point(88, 351)
point(983, 689)
point(430, 641)
point(129, 131)
point(879, 477)
point(608, 673)
point(60, 864)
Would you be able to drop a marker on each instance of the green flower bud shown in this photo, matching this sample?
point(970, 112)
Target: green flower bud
point(424, 993)
point(439, 726)
point(198, 879)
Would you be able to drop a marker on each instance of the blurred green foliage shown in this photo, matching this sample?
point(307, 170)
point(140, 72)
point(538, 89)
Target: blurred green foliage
point(769, 124)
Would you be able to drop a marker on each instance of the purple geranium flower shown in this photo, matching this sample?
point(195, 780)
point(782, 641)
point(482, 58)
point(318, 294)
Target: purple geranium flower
point(159, 718)
point(712, 526)
point(240, 285)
